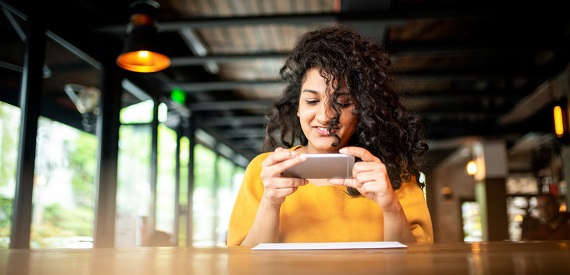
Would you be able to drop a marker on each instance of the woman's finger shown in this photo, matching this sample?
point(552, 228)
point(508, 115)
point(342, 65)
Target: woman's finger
point(344, 182)
point(359, 152)
point(279, 161)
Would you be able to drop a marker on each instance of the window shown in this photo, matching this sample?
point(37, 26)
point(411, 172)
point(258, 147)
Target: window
point(9, 138)
point(63, 198)
point(472, 229)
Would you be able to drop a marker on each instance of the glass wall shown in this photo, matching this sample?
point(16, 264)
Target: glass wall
point(183, 191)
point(63, 195)
point(65, 148)
point(215, 181)
point(166, 203)
point(9, 138)
point(133, 183)
point(64, 184)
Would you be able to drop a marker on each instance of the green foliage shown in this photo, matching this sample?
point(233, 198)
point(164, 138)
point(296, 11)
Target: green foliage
point(5, 221)
point(225, 170)
point(42, 235)
point(134, 153)
point(83, 163)
point(5, 212)
point(166, 154)
point(9, 129)
point(204, 161)
point(74, 221)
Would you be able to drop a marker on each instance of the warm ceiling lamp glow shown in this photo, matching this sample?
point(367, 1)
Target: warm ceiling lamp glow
point(471, 168)
point(143, 61)
point(558, 121)
point(140, 53)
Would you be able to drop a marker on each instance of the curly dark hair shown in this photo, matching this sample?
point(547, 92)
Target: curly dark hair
point(346, 59)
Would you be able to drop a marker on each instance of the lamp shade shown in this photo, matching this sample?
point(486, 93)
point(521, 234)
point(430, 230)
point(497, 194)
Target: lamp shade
point(141, 53)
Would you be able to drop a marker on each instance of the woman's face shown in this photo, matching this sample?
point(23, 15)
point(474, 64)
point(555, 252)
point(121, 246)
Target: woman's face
point(314, 115)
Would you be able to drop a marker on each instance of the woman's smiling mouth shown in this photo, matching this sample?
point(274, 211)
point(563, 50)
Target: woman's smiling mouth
point(321, 130)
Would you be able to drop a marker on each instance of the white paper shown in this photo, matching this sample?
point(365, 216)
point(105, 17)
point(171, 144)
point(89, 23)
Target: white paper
point(331, 245)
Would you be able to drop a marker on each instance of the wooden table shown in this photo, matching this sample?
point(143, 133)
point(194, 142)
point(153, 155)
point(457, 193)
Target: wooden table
point(420, 259)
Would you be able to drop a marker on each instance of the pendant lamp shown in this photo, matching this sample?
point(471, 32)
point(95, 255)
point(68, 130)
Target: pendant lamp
point(141, 53)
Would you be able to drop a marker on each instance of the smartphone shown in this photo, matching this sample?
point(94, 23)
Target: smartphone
point(322, 166)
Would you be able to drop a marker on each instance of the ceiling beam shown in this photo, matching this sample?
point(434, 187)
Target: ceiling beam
point(199, 60)
point(226, 85)
point(397, 51)
point(230, 105)
point(471, 75)
point(388, 17)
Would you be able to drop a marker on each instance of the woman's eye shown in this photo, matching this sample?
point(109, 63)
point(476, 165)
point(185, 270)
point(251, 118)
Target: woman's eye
point(312, 101)
point(344, 103)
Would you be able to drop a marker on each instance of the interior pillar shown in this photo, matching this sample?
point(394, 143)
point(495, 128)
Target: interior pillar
point(490, 190)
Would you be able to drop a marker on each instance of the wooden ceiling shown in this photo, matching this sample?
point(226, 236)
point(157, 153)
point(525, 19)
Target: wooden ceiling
point(471, 69)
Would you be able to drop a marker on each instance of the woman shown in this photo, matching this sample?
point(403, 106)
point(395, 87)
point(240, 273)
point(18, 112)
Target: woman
point(338, 99)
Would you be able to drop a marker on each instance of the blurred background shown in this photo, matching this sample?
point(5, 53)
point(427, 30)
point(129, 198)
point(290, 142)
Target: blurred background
point(96, 155)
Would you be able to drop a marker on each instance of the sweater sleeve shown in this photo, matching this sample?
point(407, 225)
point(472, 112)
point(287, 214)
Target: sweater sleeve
point(246, 203)
point(412, 198)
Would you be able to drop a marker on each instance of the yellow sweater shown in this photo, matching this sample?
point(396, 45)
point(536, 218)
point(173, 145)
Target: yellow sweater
point(325, 213)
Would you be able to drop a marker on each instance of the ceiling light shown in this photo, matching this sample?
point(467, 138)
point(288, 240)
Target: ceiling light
point(471, 168)
point(141, 53)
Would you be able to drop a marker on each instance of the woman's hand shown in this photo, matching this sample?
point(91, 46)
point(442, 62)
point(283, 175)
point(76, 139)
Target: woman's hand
point(265, 227)
point(370, 178)
point(276, 187)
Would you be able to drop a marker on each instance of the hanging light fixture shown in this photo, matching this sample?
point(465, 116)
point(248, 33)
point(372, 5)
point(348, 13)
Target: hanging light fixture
point(471, 168)
point(140, 53)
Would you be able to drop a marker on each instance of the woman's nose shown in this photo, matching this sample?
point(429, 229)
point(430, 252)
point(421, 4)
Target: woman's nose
point(324, 112)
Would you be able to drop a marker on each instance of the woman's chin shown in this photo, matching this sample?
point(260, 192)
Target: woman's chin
point(322, 149)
